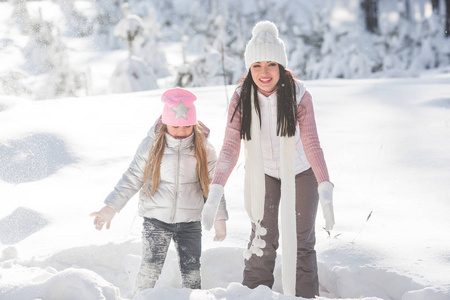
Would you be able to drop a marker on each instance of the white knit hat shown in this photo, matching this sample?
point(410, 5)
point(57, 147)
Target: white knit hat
point(265, 45)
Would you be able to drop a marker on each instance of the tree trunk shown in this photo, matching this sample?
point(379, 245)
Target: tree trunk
point(407, 10)
point(435, 5)
point(447, 18)
point(370, 9)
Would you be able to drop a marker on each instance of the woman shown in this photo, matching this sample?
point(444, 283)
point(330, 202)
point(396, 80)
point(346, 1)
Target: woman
point(284, 167)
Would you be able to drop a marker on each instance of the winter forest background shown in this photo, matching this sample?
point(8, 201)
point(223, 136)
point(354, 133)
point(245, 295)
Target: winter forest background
point(379, 73)
point(50, 48)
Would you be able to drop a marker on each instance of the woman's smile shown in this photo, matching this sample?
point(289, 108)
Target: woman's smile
point(265, 80)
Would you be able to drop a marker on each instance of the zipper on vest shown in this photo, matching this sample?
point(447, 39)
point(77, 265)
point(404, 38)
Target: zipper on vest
point(177, 183)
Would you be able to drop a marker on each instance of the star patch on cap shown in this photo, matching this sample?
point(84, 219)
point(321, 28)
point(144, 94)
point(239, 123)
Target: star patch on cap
point(181, 111)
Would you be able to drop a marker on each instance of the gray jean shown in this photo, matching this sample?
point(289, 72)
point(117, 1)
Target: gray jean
point(259, 270)
point(156, 237)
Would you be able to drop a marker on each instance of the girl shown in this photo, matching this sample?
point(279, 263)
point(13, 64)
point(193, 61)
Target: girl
point(172, 169)
point(273, 113)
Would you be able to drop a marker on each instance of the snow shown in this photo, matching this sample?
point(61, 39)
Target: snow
point(386, 144)
point(132, 75)
point(57, 49)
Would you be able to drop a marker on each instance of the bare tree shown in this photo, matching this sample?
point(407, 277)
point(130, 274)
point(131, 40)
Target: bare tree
point(435, 5)
point(405, 9)
point(370, 9)
point(447, 18)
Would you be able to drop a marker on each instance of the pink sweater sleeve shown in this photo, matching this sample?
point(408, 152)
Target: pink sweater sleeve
point(229, 154)
point(310, 138)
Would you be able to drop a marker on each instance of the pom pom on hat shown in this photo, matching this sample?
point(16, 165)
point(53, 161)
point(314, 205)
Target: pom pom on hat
point(179, 108)
point(265, 45)
point(262, 26)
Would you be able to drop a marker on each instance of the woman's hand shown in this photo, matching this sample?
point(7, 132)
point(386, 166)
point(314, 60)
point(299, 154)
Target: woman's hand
point(326, 201)
point(102, 217)
point(211, 205)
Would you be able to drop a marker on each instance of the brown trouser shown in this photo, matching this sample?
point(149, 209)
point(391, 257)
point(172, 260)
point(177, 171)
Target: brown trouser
point(259, 270)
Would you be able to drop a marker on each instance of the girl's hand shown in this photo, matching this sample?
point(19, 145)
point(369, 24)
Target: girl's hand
point(103, 216)
point(220, 227)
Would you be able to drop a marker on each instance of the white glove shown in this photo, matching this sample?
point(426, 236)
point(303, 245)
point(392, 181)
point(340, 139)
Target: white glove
point(220, 226)
point(103, 216)
point(211, 205)
point(326, 201)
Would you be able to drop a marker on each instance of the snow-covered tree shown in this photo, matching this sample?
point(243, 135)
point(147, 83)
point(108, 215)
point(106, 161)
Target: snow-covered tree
point(207, 69)
point(324, 39)
point(149, 48)
point(107, 17)
point(20, 14)
point(13, 83)
point(132, 75)
point(129, 28)
point(45, 49)
point(47, 59)
point(78, 25)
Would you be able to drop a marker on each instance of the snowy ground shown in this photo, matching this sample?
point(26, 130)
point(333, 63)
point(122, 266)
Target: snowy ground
point(386, 143)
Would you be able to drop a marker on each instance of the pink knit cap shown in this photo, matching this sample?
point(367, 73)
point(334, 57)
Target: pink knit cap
point(179, 108)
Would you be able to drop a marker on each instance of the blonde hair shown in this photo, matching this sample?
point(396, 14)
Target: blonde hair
point(152, 171)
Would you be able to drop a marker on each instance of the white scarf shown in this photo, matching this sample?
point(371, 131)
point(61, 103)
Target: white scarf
point(254, 194)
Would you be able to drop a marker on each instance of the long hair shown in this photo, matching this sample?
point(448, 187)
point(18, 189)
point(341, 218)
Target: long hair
point(202, 159)
point(286, 104)
point(152, 172)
